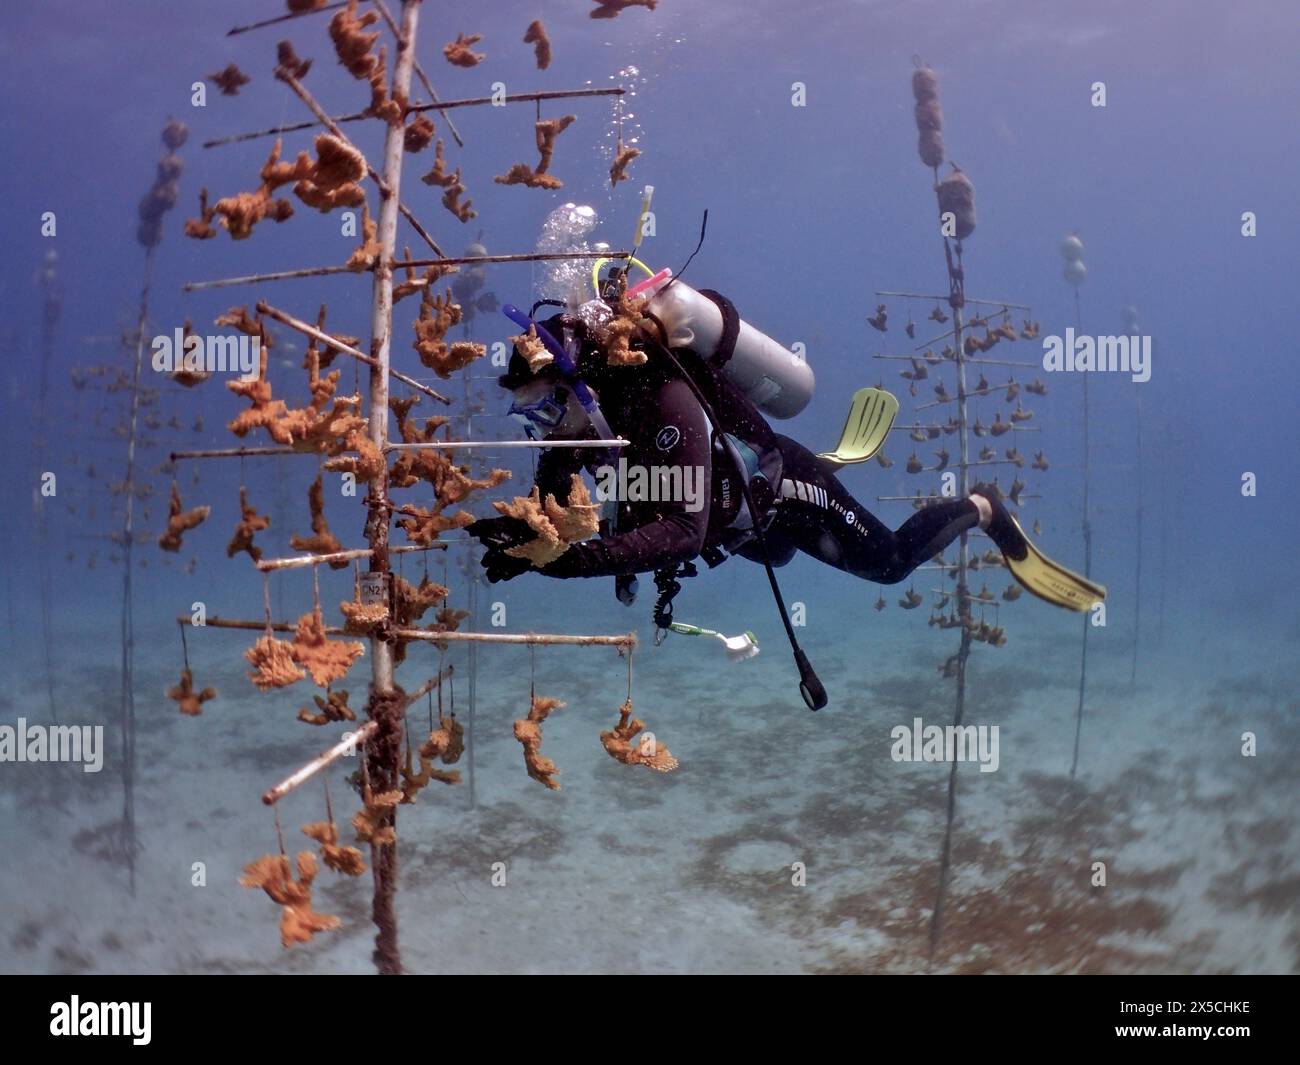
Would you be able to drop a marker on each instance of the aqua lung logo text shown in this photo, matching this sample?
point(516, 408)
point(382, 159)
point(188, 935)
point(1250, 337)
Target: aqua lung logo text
point(818, 497)
point(131, 1019)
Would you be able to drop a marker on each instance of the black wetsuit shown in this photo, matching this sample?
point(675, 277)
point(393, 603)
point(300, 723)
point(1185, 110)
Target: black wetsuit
point(810, 510)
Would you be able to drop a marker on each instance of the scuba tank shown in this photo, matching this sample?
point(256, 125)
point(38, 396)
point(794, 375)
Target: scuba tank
point(771, 376)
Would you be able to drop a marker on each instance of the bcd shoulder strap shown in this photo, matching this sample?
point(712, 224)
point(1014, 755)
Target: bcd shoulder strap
point(730, 327)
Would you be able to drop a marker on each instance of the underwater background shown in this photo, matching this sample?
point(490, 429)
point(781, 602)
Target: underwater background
point(812, 209)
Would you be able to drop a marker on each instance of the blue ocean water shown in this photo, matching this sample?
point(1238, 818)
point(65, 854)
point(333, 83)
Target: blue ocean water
point(786, 841)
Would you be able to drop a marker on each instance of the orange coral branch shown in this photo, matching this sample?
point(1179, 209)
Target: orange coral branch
point(528, 732)
point(459, 52)
point(618, 743)
point(190, 701)
point(326, 660)
point(536, 36)
point(251, 523)
point(298, 922)
point(180, 521)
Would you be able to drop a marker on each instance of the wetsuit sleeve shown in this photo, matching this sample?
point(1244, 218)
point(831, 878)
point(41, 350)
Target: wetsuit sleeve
point(669, 432)
point(554, 468)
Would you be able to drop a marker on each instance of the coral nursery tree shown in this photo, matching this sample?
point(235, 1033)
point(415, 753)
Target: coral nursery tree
point(969, 329)
point(350, 435)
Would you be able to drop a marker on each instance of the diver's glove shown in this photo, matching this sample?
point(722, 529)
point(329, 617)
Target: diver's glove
point(498, 566)
point(500, 532)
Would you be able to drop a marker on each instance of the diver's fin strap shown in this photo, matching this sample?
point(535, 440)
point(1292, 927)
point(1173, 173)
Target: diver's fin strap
point(730, 327)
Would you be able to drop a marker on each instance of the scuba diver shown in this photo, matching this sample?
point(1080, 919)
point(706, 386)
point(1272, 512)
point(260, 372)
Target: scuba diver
point(693, 404)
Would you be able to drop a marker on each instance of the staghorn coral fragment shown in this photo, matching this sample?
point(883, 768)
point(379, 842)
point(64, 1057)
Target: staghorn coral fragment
point(310, 428)
point(536, 36)
point(611, 8)
point(273, 664)
point(546, 546)
point(579, 518)
point(620, 331)
point(546, 131)
point(423, 527)
point(241, 212)
point(528, 731)
point(419, 282)
point(287, 60)
point(437, 315)
point(351, 43)
point(249, 525)
point(180, 521)
point(331, 181)
point(322, 541)
point(365, 255)
point(418, 135)
point(361, 619)
point(190, 701)
point(622, 157)
point(556, 525)
point(298, 922)
point(201, 228)
point(189, 370)
point(451, 185)
point(523, 174)
point(229, 80)
point(439, 745)
point(532, 350)
point(346, 860)
point(460, 53)
point(648, 752)
point(325, 659)
point(382, 106)
point(366, 465)
point(370, 820)
point(334, 707)
point(413, 601)
point(409, 605)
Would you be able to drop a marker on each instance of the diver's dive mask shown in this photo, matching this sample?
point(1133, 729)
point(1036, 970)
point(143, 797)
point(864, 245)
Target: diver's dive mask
point(542, 415)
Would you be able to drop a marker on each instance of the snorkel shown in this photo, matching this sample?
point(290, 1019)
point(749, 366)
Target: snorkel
point(565, 364)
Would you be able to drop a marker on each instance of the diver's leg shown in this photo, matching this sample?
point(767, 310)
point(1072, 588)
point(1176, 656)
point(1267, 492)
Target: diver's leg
point(820, 516)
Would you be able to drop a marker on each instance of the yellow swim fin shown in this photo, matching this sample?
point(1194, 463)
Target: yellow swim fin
point(1051, 581)
point(871, 416)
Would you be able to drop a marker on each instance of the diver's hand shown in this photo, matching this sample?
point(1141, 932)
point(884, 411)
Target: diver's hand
point(500, 532)
point(498, 566)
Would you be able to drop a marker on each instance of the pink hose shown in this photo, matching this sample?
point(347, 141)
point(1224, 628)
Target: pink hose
point(649, 282)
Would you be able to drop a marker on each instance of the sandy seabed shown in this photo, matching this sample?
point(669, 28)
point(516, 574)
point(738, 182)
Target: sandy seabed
point(625, 870)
